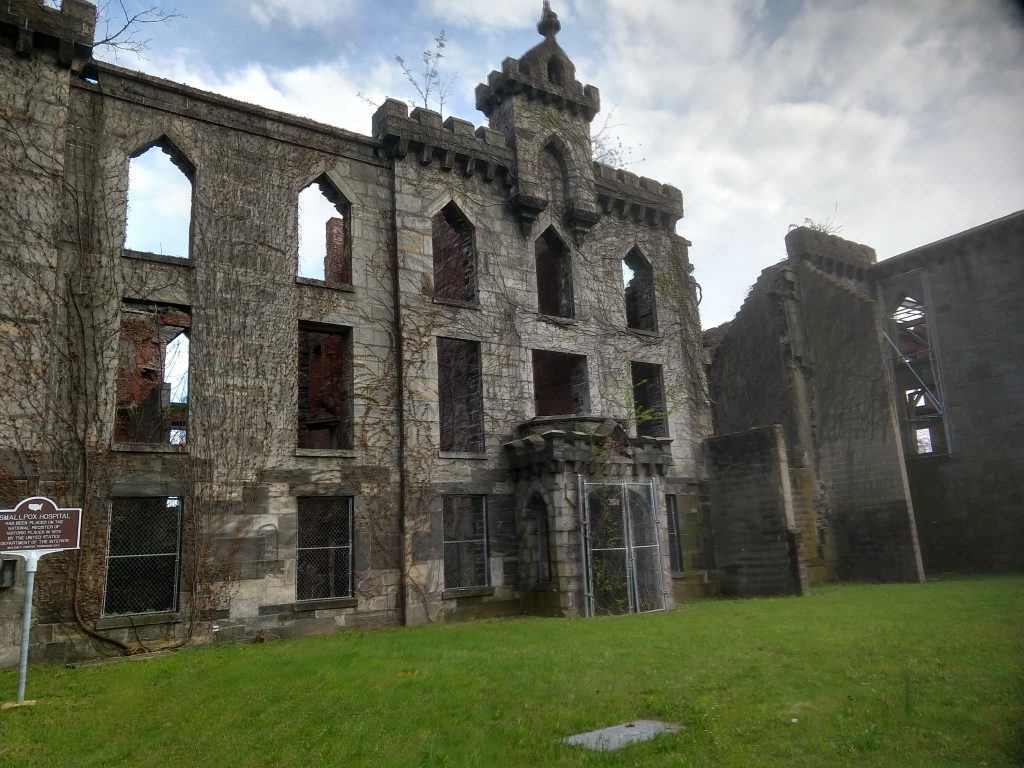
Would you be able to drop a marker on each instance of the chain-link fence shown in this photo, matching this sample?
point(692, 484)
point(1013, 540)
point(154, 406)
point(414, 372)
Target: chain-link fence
point(648, 574)
point(143, 545)
point(607, 549)
point(465, 541)
point(323, 567)
point(621, 549)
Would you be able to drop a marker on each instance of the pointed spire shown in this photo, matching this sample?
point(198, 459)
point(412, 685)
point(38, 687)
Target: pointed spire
point(548, 24)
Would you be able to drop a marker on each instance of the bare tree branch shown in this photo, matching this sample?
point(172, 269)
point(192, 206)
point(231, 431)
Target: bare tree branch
point(121, 30)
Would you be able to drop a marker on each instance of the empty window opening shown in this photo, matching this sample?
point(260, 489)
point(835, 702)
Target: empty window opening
point(648, 400)
point(915, 370)
point(554, 276)
point(323, 556)
point(923, 438)
point(325, 239)
point(152, 374)
point(159, 201)
point(143, 545)
point(325, 388)
point(638, 285)
point(556, 72)
point(460, 395)
point(560, 385)
point(465, 541)
point(675, 541)
point(537, 544)
point(454, 249)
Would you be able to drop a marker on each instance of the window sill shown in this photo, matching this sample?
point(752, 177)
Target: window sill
point(182, 261)
point(475, 455)
point(461, 303)
point(324, 604)
point(557, 319)
point(327, 453)
point(149, 447)
point(452, 594)
point(343, 287)
point(137, 620)
point(644, 333)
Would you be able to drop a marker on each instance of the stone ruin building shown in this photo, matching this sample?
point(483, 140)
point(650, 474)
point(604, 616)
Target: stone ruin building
point(465, 409)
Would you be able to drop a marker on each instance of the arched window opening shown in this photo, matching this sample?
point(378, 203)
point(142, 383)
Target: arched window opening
point(638, 285)
point(454, 249)
point(554, 276)
point(556, 72)
point(159, 201)
point(325, 241)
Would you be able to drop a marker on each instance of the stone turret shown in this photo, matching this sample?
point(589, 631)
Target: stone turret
point(545, 115)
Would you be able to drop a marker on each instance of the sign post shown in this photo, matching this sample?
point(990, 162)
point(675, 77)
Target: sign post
point(36, 527)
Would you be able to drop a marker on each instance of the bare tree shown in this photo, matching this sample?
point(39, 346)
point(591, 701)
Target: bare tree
point(122, 29)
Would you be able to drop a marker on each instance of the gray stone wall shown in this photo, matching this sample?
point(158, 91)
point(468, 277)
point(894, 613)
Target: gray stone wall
point(756, 541)
point(859, 451)
point(967, 502)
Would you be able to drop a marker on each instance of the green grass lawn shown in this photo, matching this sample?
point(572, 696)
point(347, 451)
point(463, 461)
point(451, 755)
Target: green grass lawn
point(876, 675)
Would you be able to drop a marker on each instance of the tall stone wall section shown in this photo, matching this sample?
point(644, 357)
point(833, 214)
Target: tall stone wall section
point(766, 337)
point(756, 540)
point(968, 503)
point(859, 452)
point(751, 342)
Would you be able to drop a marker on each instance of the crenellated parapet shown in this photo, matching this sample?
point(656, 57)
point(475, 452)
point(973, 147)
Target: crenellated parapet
point(834, 255)
point(518, 77)
point(29, 26)
point(638, 198)
point(453, 144)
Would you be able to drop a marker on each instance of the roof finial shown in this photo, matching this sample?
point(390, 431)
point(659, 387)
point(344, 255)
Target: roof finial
point(548, 24)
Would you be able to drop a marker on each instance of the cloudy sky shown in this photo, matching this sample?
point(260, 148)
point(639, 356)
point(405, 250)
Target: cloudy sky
point(900, 121)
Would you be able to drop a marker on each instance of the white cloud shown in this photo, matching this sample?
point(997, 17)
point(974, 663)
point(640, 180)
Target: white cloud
point(326, 92)
point(501, 15)
point(882, 109)
point(307, 14)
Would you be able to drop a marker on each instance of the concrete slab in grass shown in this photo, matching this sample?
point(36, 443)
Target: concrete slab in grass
point(619, 736)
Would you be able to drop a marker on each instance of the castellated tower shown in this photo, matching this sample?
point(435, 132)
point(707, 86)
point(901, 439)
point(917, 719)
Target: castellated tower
point(545, 114)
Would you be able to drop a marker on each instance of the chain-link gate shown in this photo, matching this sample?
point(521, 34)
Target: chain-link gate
point(621, 549)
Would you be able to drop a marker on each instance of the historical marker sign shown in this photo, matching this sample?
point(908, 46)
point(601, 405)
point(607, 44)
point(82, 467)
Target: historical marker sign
point(39, 524)
point(35, 527)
